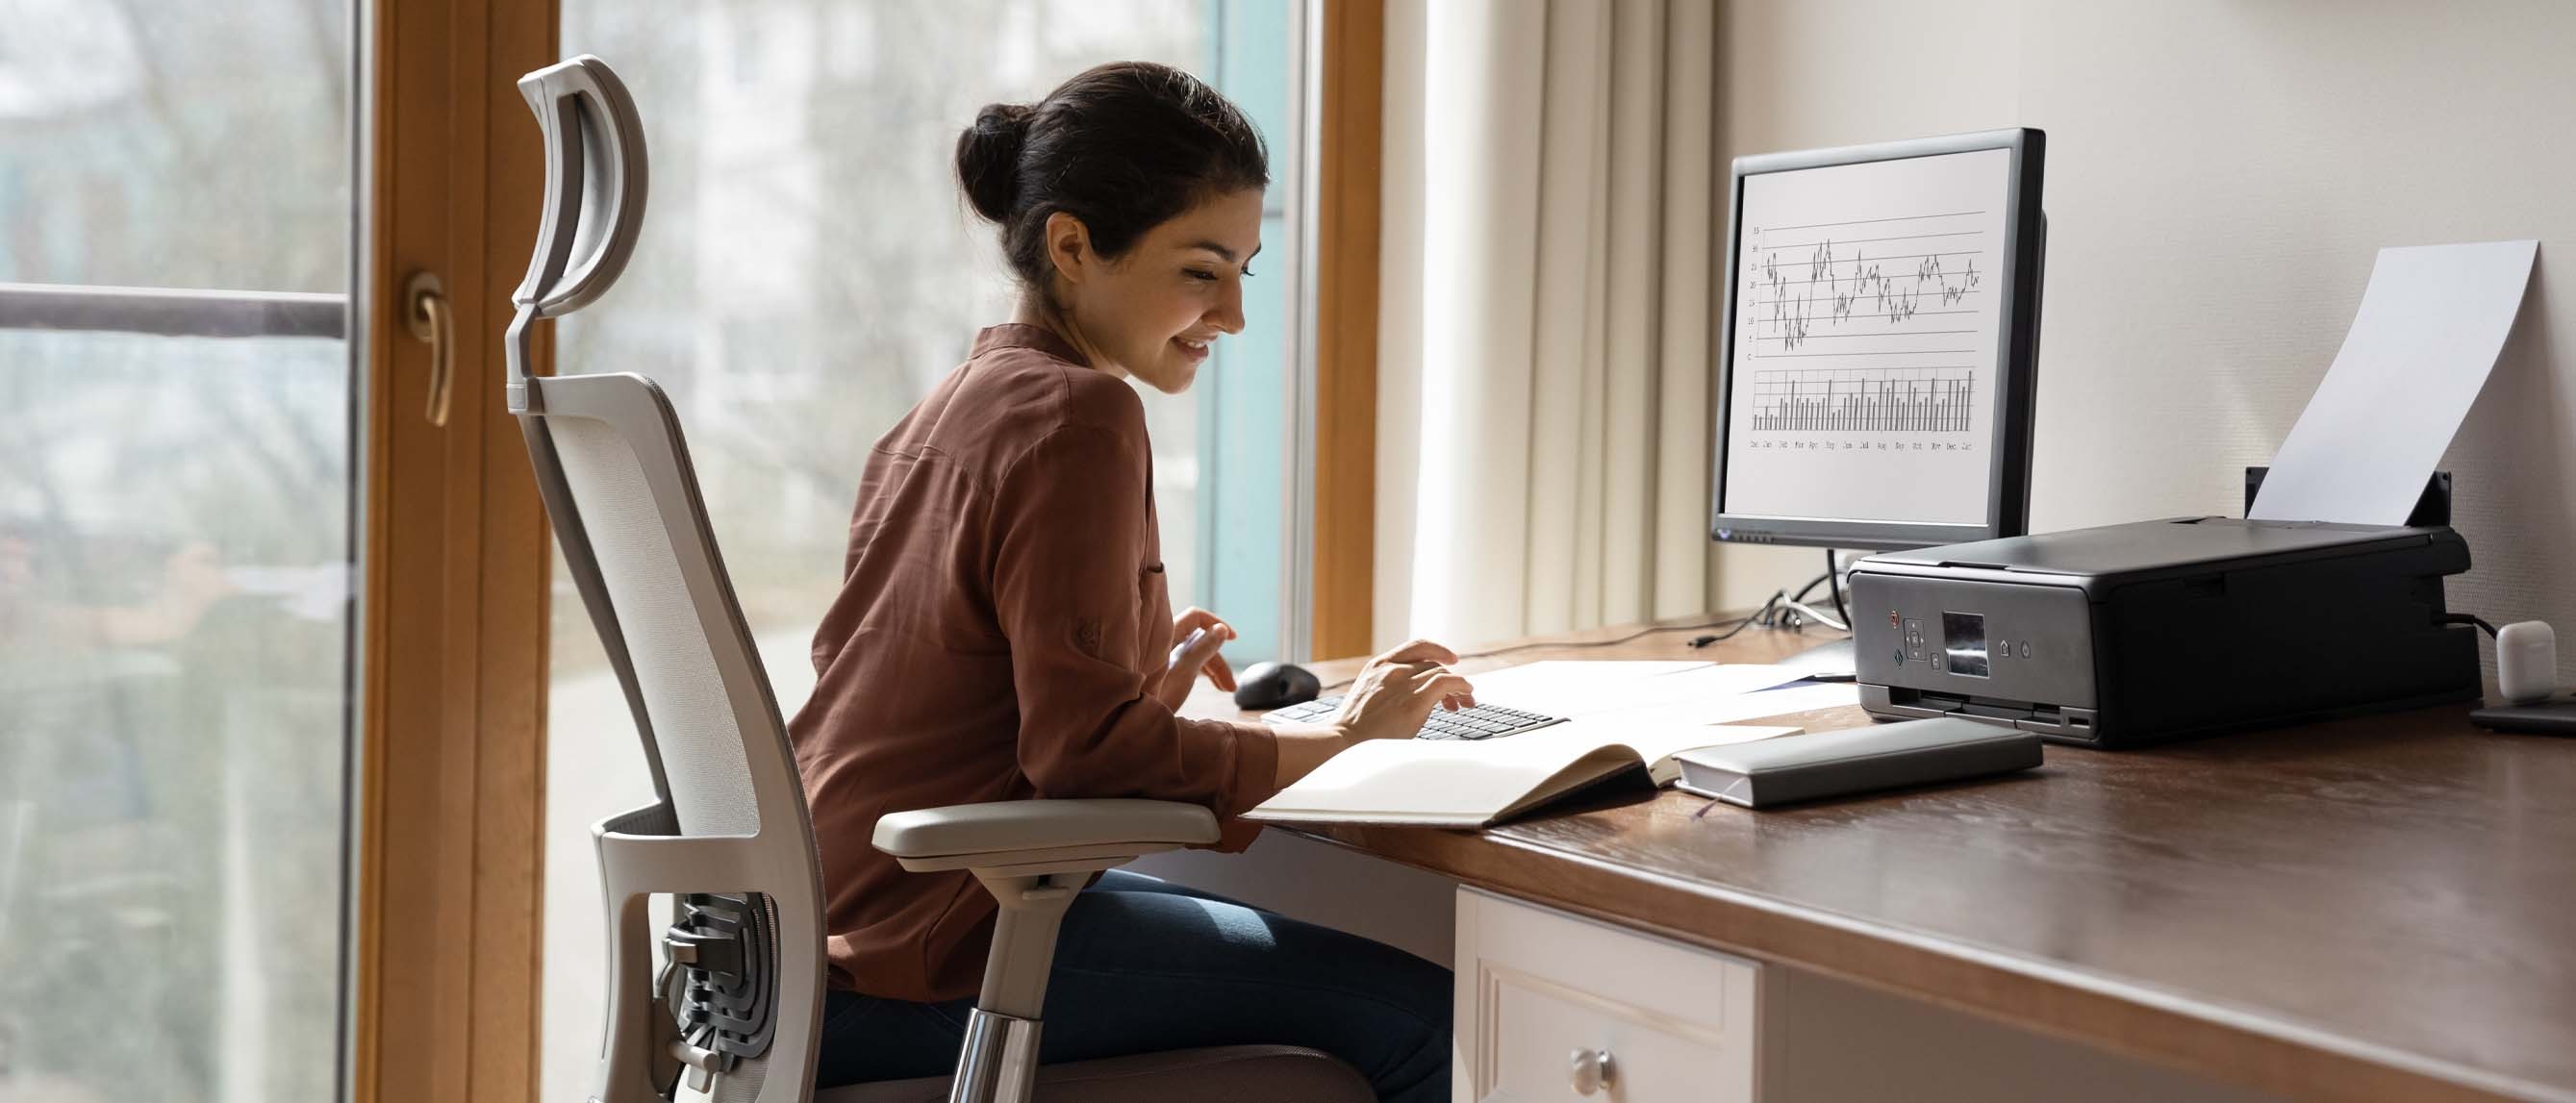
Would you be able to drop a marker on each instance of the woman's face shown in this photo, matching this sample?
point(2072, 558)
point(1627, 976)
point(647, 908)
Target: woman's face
point(1154, 312)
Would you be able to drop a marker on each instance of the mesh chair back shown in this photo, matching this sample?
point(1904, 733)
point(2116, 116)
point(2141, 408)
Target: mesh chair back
point(697, 719)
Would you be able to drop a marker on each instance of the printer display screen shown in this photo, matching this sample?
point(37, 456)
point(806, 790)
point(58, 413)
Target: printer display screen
point(1963, 643)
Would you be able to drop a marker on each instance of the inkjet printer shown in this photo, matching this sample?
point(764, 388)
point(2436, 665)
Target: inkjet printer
point(2157, 630)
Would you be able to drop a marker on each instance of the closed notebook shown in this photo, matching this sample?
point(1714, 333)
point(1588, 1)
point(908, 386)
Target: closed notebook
point(1856, 760)
point(1455, 783)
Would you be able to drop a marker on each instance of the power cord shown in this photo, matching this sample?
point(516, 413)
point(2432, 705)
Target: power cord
point(1768, 616)
point(1737, 623)
point(1840, 619)
point(1734, 625)
point(2470, 618)
point(1834, 578)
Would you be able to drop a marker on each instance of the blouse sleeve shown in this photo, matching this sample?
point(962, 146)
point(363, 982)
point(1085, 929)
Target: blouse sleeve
point(1069, 526)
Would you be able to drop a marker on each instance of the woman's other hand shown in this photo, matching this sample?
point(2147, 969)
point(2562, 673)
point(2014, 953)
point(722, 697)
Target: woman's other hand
point(1197, 635)
point(1390, 699)
point(1396, 692)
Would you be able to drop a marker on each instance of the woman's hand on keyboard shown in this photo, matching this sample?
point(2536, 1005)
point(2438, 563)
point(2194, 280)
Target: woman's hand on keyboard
point(1396, 692)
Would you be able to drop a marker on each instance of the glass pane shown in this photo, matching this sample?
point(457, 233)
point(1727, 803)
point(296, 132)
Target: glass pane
point(171, 143)
point(807, 272)
point(174, 558)
point(1242, 548)
point(173, 586)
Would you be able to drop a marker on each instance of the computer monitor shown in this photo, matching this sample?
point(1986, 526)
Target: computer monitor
point(1882, 327)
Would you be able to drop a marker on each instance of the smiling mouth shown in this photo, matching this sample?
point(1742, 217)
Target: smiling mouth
point(1194, 346)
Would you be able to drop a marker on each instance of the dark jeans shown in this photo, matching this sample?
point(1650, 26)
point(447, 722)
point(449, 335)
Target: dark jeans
point(1143, 966)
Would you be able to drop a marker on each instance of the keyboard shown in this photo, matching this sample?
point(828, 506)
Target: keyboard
point(1480, 722)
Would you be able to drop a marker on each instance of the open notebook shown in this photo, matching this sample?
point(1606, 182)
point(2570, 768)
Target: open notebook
point(1441, 783)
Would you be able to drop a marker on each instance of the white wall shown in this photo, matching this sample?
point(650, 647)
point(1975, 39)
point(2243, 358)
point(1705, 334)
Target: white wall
point(2219, 177)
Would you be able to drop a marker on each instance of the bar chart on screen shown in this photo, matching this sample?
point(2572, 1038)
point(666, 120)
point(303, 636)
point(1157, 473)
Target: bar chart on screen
point(1865, 400)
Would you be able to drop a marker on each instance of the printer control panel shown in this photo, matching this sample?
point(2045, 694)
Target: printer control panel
point(1963, 645)
point(1994, 644)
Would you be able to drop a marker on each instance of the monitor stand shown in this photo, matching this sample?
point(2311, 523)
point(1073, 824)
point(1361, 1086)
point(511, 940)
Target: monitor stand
point(1833, 661)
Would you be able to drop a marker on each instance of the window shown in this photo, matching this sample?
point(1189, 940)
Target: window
point(175, 481)
point(808, 271)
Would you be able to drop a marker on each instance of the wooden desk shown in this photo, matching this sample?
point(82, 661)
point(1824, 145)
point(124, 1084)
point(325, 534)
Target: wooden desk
point(2382, 908)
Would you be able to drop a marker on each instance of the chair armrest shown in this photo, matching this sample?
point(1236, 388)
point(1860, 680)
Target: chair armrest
point(1016, 833)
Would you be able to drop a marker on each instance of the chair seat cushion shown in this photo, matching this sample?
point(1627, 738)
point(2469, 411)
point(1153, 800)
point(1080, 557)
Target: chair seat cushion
point(1235, 1074)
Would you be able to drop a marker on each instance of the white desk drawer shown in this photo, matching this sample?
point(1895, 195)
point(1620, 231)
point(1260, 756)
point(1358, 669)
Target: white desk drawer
point(1538, 990)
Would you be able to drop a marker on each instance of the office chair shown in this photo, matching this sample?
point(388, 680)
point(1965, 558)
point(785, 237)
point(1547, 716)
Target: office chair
point(735, 1010)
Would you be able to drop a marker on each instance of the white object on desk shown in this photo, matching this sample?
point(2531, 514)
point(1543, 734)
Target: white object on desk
point(1578, 689)
point(1456, 783)
point(2527, 661)
point(1802, 697)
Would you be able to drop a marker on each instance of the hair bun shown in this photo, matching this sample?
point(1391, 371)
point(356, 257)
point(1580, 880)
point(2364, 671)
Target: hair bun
point(1120, 148)
point(988, 158)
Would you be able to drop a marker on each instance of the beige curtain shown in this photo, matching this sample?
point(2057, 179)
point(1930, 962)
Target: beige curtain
point(1545, 345)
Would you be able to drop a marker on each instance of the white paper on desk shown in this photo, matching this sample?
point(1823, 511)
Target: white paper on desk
point(2431, 324)
point(1738, 707)
point(1576, 689)
point(1455, 783)
point(1803, 697)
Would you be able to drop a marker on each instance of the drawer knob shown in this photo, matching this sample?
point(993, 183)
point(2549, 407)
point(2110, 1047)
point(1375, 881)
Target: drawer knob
point(1593, 1071)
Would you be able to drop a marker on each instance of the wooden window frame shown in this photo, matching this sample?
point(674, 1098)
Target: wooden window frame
point(1352, 97)
point(449, 829)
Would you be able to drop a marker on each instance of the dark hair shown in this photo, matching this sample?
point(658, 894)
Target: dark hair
point(1122, 147)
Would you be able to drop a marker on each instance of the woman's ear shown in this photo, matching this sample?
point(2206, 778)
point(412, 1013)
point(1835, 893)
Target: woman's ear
point(1068, 247)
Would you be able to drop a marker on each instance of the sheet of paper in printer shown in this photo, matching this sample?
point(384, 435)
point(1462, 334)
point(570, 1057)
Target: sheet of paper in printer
point(2431, 324)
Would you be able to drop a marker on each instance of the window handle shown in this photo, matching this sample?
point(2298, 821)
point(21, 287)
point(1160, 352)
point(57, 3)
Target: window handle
point(431, 322)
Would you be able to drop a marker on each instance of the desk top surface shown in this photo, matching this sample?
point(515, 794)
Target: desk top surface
point(2382, 907)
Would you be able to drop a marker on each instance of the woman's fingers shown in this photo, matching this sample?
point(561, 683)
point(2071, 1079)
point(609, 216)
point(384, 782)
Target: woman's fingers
point(1447, 687)
point(1220, 672)
point(1202, 646)
point(1202, 638)
point(1194, 618)
point(1416, 651)
point(1390, 701)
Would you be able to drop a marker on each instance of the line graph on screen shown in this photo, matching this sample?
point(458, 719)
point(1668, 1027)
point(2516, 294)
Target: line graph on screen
point(1906, 284)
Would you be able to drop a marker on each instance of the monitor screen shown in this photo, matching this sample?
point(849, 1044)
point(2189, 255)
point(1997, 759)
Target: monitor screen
point(1871, 328)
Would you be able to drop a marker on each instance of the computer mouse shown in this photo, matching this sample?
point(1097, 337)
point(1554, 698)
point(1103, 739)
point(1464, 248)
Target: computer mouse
point(1275, 685)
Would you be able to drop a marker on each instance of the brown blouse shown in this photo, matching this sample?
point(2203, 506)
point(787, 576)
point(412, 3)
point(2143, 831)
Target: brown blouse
point(1002, 616)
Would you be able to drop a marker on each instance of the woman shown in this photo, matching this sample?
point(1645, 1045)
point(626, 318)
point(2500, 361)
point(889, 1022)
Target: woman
point(1003, 631)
